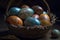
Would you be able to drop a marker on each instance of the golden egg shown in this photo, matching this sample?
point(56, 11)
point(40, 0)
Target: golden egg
point(44, 17)
point(46, 23)
point(14, 20)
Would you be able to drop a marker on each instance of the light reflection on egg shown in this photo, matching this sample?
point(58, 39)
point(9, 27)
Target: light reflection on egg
point(14, 20)
point(36, 16)
point(38, 9)
point(30, 21)
point(26, 12)
point(14, 11)
point(56, 31)
point(45, 20)
point(44, 17)
point(44, 12)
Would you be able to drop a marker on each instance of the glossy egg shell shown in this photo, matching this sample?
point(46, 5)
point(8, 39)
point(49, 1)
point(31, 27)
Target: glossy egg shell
point(44, 17)
point(30, 21)
point(14, 11)
point(45, 23)
point(14, 20)
point(38, 9)
point(44, 12)
point(56, 31)
point(36, 16)
point(26, 12)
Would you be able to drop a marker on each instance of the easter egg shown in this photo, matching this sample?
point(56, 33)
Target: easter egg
point(56, 31)
point(36, 16)
point(44, 17)
point(14, 11)
point(25, 6)
point(45, 23)
point(30, 21)
point(14, 20)
point(44, 12)
point(26, 12)
point(38, 9)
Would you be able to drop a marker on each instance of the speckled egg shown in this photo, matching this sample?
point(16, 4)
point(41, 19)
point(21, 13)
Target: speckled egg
point(14, 11)
point(30, 21)
point(14, 20)
point(44, 17)
point(38, 9)
point(26, 12)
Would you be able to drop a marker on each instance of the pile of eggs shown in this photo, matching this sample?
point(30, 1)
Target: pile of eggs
point(26, 16)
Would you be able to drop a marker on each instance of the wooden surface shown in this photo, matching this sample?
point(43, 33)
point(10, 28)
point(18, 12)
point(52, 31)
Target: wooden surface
point(12, 37)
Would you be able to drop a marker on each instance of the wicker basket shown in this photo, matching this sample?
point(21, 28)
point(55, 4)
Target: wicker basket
point(29, 32)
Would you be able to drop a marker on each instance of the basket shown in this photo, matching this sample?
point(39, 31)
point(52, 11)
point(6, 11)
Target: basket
point(29, 32)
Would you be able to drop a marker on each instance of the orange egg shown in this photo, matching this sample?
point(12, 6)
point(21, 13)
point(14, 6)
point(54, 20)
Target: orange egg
point(44, 17)
point(14, 20)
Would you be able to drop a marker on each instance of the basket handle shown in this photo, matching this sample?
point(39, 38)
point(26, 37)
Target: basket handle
point(9, 4)
point(48, 7)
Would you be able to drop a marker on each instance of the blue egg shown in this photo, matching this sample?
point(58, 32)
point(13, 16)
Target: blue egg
point(26, 12)
point(44, 12)
point(56, 31)
point(30, 21)
point(14, 11)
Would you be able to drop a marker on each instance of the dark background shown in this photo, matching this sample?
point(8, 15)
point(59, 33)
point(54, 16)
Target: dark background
point(54, 5)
